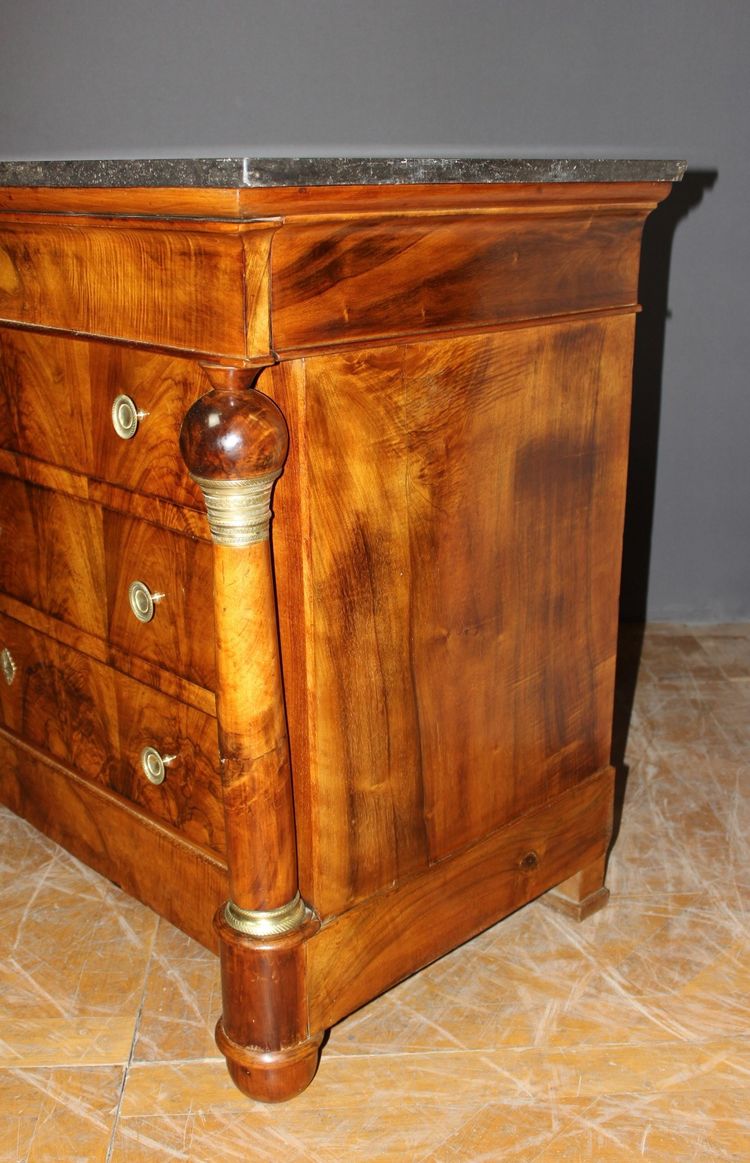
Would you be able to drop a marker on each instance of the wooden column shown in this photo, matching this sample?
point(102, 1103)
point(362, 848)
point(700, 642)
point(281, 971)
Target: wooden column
point(234, 441)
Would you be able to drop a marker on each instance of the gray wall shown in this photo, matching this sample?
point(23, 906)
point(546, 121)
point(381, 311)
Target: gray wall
point(670, 78)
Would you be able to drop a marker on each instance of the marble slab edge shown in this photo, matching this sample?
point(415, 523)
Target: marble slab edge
point(259, 173)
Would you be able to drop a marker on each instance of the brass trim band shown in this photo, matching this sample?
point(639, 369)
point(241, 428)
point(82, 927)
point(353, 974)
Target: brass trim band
point(267, 922)
point(239, 512)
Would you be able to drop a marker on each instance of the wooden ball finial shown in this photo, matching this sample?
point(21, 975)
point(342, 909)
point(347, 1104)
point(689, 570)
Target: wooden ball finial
point(233, 432)
point(234, 441)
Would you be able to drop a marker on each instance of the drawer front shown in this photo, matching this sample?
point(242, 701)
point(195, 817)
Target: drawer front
point(58, 700)
point(57, 396)
point(77, 562)
point(51, 554)
point(179, 635)
point(189, 797)
point(98, 722)
point(201, 287)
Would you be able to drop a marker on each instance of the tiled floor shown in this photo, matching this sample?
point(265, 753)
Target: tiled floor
point(626, 1037)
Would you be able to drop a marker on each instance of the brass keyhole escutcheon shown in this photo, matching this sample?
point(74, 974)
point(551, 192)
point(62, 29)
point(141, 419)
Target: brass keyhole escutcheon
point(125, 417)
point(155, 765)
point(142, 601)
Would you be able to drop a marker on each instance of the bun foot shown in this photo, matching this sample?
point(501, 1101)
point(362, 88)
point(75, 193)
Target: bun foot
point(270, 1075)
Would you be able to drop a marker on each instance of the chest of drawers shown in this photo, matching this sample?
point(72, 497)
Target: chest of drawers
point(336, 744)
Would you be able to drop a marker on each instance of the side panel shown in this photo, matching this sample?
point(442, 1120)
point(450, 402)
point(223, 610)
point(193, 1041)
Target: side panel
point(460, 551)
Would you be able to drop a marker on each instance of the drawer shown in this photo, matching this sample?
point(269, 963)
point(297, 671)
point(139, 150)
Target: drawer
point(76, 561)
point(98, 722)
point(179, 631)
point(58, 700)
point(56, 404)
point(200, 287)
point(51, 554)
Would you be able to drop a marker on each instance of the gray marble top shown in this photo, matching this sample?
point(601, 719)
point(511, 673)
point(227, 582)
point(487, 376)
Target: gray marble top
point(237, 173)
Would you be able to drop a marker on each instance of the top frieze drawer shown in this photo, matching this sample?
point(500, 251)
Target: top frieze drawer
point(199, 286)
point(57, 396)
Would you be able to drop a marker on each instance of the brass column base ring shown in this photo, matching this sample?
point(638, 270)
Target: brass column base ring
point(268, 922)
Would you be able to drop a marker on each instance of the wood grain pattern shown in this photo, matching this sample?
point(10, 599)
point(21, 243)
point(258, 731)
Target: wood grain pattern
point(178, 518)
point(355, 280)
point(45, 398)
point(57, 393)
point(76, 562)
point(377, 943)
point(462, 511)
point(114, 278)
point(291, 201)
point(190, 797)
point(264, 1029)
point(62, 702)
point(155, 676)
point(108, 834)
point(237, 435)
point(96, 721)
point(53, 554)
point(180, 635)
point(290, 531)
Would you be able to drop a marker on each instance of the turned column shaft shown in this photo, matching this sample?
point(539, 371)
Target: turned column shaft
point(234, 441)
point(256, 776)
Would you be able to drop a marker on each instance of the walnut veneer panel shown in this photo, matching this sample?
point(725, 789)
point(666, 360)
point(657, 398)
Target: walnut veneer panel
point(356, 279)
point(241, 204)
point(117, 277)
point(56, 397)
point(180, 634)
point(462, 515)
point(76, 561)
point(61, 701)
point(53, 555)
point(361, 952)
point(97, 721)
point(107, 833)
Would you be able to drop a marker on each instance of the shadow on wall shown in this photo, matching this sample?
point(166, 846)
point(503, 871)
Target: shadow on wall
point(653, 291)
point(644, 438)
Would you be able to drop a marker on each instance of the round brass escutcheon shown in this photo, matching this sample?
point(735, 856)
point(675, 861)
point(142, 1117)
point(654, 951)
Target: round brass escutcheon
point(125, 417)
point(142, 601)
point(155, 764)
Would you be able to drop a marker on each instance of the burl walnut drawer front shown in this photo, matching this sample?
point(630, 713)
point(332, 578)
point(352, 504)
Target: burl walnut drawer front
point(156, 752)
point(102, 409)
